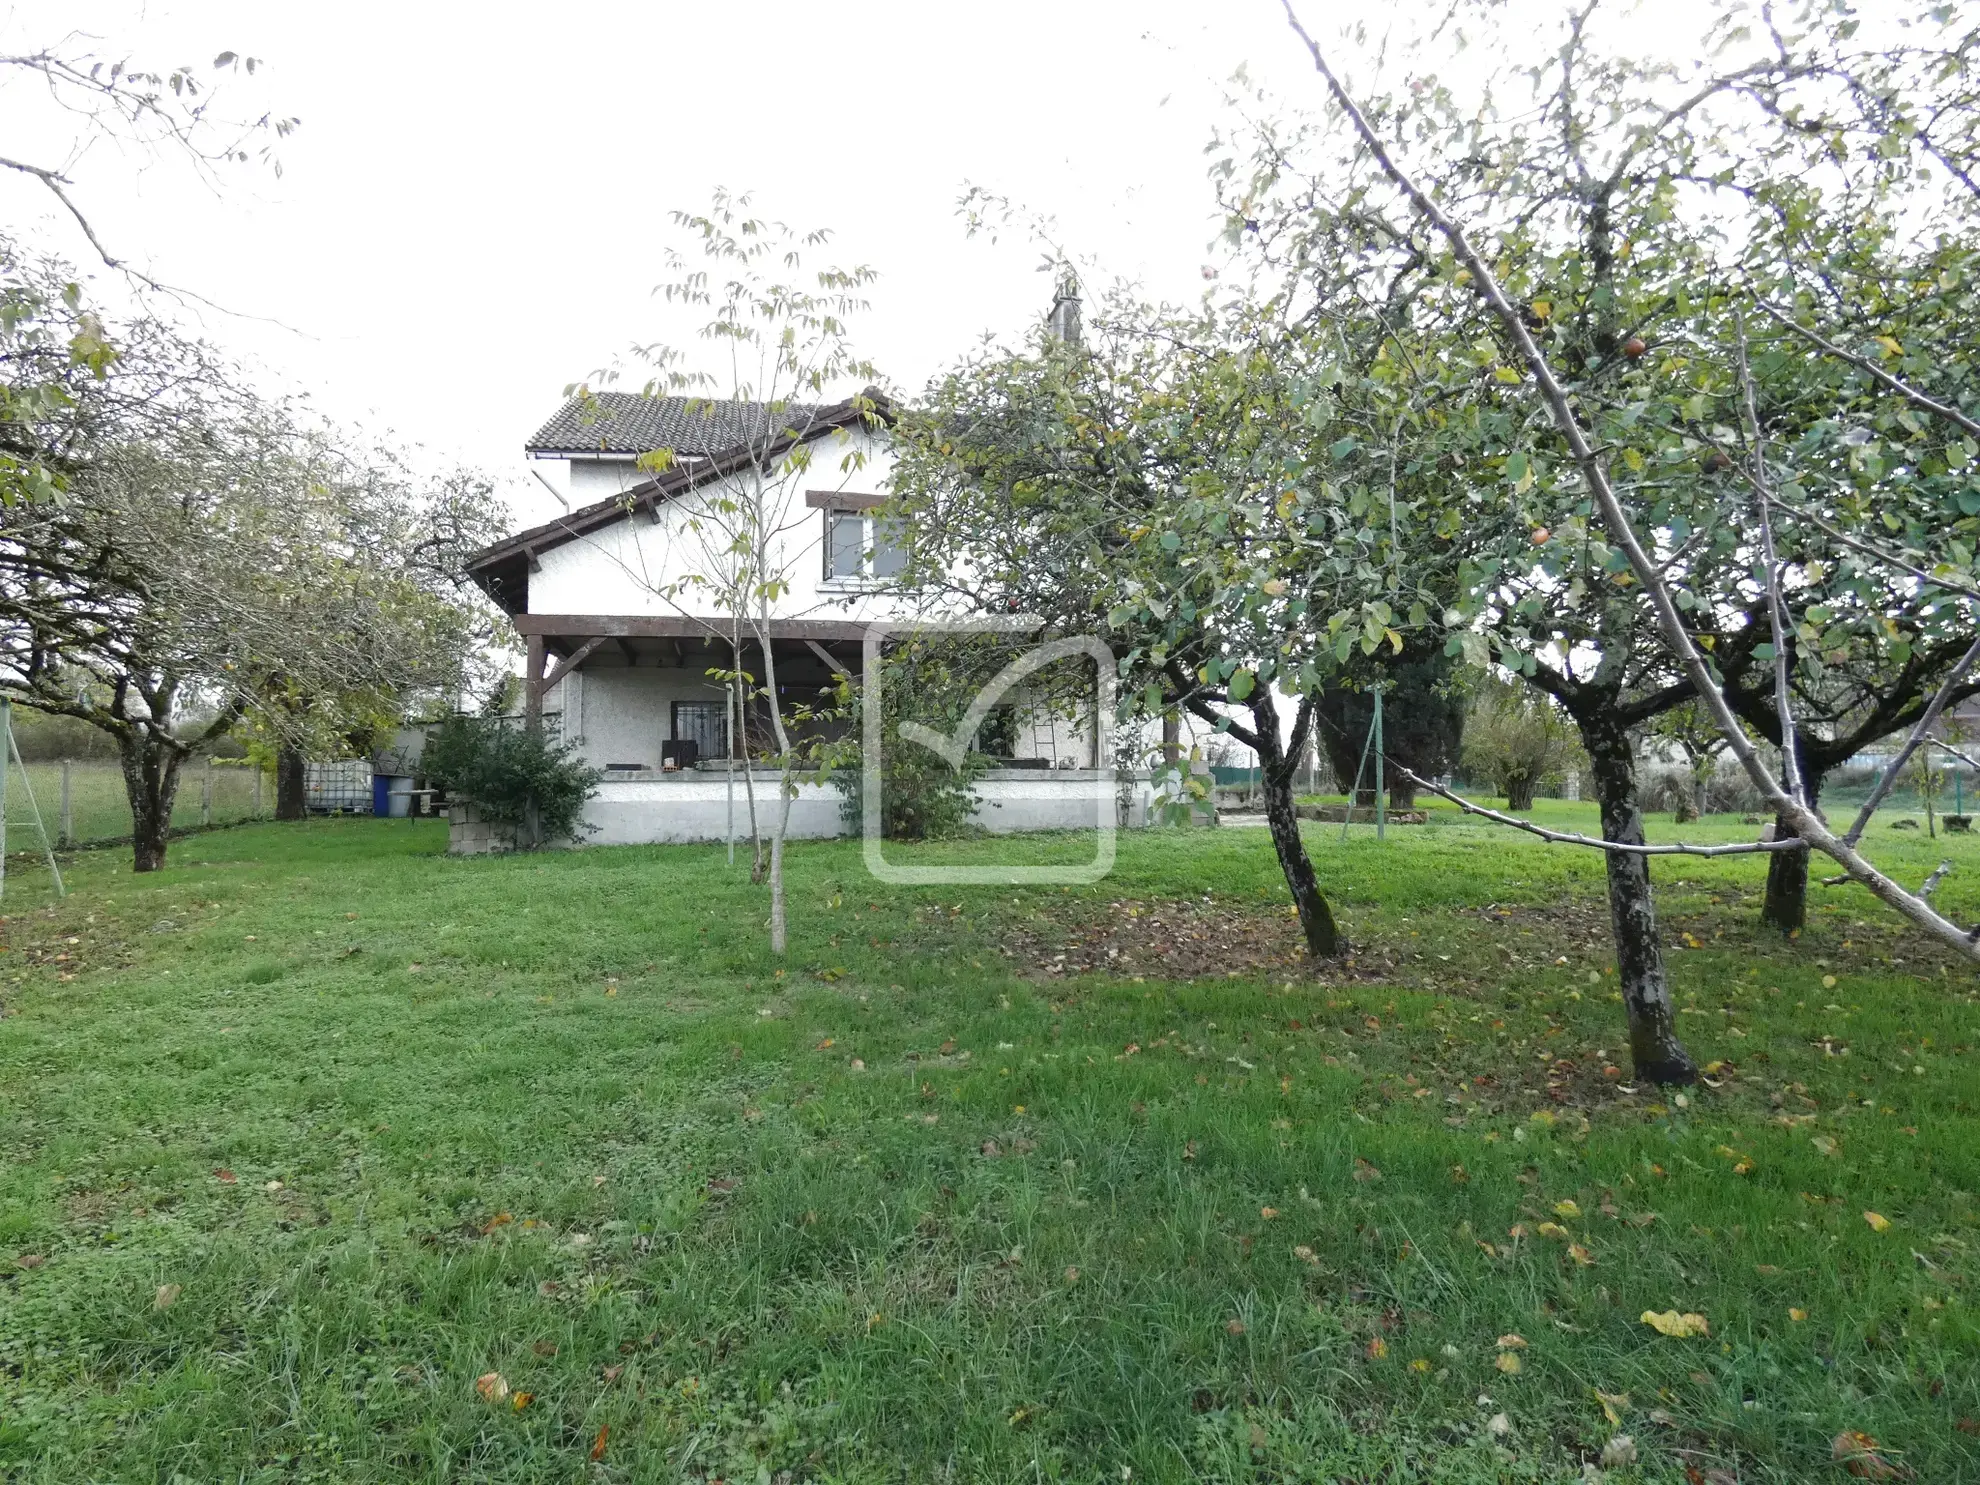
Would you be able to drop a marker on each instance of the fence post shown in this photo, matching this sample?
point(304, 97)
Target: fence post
point(257, 790)
point(67, 829)
point(206, 793)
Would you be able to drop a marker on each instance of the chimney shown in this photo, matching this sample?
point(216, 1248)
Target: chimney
point(1062, 324)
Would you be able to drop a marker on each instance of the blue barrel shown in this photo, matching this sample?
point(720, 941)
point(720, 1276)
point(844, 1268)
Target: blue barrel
point(381, 795)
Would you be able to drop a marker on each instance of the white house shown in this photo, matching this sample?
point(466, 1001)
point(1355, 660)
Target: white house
point(622, 631)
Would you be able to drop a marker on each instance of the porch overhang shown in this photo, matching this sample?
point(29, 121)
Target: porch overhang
point(577, 628)
point(558, 644)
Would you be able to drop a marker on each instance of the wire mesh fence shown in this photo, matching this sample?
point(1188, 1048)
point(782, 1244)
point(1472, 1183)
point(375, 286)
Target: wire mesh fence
point(98, 810)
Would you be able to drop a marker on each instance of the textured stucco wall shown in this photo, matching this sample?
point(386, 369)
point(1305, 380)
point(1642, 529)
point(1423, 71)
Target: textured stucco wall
point(622, 714)
point(623, 568)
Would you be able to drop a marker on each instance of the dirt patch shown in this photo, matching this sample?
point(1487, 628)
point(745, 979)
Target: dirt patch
point(1192, 938)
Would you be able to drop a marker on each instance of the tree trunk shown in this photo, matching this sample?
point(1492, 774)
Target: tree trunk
point(739, 748)
point(151, 782)
point(290, 792)
point(1402, 794)
point(1786, 904)
point(1519, 793)
point(1276, 767)
point(779, 923)
point(1657, 1054)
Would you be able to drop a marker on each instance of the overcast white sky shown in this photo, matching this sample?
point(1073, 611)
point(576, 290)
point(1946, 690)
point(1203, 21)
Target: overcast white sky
point(470, 216)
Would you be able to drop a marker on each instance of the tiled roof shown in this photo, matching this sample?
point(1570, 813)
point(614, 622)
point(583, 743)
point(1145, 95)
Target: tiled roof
point(632, 423)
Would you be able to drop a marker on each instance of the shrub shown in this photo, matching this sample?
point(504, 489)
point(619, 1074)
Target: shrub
point(1519, 739)
point(930, 680)
point(528, 780)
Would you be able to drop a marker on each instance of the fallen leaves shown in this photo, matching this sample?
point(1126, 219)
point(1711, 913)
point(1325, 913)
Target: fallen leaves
point(1614, 1405)
point(598, 1443)
point(225, 1177)
point(493, 1387)
point(1878, 1221)
point(1671, 1323)
point(1857, 1453)
point(1796, 1315)
point(1823, 1144)
point(1582, 1257)
point(1508, 1362)
point(1567, 1210)
point(167, 1296)
point(500, 1219)
point(1377, 1348)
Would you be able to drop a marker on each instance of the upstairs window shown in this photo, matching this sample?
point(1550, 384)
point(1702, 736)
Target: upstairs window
point(861, 547)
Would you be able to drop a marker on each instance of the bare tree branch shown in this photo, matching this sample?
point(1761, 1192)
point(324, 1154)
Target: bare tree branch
point(1919, 735)
point(1776, 608)
point(1875, 372)
point(1569, 838)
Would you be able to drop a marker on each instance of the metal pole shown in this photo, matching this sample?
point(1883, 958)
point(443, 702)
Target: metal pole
point(7, 722)
point(1381, 811)
point(68, 825)
point(47, 848)
point(1360, 772)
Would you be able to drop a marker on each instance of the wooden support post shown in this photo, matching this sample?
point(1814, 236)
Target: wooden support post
point(832, 662)
point(533, 684)
point(206, 793)
point(257, 791)
point(67, 828)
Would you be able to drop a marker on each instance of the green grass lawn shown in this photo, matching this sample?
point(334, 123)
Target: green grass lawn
point(306, 1135)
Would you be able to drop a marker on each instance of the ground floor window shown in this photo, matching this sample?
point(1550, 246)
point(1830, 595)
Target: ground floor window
point(705, 724)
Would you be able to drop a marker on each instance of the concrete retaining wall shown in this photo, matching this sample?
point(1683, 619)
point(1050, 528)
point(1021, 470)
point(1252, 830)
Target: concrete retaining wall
point(694, 806)
point(470, 835)
point(676, 808)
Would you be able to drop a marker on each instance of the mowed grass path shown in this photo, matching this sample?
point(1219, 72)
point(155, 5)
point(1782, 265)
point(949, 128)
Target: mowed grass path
point(306, 1134)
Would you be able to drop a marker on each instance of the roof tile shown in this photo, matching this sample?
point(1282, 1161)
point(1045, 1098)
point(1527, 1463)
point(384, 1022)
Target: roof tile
point(633, 423)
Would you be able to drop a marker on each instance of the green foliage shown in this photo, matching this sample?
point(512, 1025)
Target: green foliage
point(51, 348)
point(1518, 739)
point(929, 681)
point(883, 1294)
point(1423, 713)
point(517, 776)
